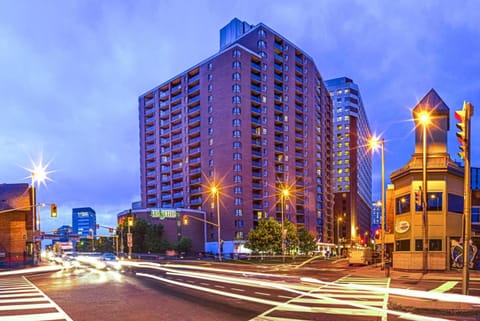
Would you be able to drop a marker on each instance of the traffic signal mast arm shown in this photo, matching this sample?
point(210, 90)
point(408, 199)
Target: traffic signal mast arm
point(25, 207)
point(198, 219)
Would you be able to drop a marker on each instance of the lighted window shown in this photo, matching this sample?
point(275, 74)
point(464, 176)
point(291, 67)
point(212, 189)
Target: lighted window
point(402, 204)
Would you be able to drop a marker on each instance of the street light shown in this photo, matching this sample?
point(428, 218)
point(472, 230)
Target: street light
point(424, 119)
point(39, 174)
point(215, 193)
point(284, 195)
point(376, 143)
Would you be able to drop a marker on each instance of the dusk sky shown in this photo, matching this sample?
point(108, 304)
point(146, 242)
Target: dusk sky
point(71, 73)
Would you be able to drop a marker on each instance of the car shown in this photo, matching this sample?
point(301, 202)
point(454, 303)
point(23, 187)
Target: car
point(111, 261)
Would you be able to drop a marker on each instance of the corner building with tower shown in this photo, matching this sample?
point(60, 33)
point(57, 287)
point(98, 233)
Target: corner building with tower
point(253, 120)
point(426, 240)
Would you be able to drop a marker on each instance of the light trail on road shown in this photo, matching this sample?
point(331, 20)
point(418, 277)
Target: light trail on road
point(450, 297)
point(302, 290)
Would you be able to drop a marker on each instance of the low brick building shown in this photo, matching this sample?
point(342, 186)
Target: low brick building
point(16, 220)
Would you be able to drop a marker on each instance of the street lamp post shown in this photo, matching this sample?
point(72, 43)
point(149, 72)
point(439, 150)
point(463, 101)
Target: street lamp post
point(39, 174)
point(283, 197)
point(424, 119)
point(93, 240)
point(215, 193)
point(374, 143)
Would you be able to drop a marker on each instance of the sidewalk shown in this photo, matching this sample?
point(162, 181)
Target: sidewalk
point(434, 301)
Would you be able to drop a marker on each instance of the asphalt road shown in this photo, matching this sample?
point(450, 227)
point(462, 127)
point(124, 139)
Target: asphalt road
point(202, 292)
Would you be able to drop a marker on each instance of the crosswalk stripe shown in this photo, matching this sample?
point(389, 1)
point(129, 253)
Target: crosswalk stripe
point(337, 299)
point(20, 296)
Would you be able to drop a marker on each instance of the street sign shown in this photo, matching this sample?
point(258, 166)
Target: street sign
point(129, 239)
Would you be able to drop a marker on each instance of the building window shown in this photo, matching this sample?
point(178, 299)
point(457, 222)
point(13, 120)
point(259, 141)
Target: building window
point(210, 88)
point(237, 190)
point(210, 66)
point(434, 201)
point(239, 223)
point(238, 212)
point(210, 152)
point(455, 204)
point(261, 44)
point(210, 163)
point(237, 179)
point(237, 167)
point(236, 100)
point(402, 245)
point(236, 65)
point(236, 76)
point(210, 109)
point(210, 99)
point(237, 156)
point(237, 133)
point(402, 204)
point(210, 131)
point(236, 122)
point(210, 77)
point(262, 33)
point(237, 201)
point(263, 54)
point(236, 88)
point(236, 111)
point(237, 145)
point(210, 120)
point(210, 142)
point(236, 53)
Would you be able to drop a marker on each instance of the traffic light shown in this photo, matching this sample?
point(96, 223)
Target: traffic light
point(377, 234)
point(130, 221)
point(460, 115)
point(185, 219)
point(418, 197)
point(463, 116)
point(53, 210)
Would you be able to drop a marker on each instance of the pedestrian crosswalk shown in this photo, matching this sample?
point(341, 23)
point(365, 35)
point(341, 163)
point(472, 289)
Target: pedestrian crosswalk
point(22, 300)
point(354, 297)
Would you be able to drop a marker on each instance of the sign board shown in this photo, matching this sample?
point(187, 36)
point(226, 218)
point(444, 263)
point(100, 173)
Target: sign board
point(163, 214)
point(129, 239)
point(402, 227)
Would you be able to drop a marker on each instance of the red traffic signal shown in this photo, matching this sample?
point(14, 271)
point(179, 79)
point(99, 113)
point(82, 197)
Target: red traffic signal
point(53, 210)
point(418, 197)
point(460, 115)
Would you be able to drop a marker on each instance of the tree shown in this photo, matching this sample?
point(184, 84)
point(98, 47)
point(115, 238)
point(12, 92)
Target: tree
point(266, 238)
point(184, 245)
point(147, 237)
point(306, 242)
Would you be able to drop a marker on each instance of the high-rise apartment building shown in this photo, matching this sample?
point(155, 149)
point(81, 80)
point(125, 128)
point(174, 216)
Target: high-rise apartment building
point(253, 119)
point(352, 161)
point(84, 221)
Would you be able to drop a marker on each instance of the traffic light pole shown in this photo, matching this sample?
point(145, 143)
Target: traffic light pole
point(464, 118)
